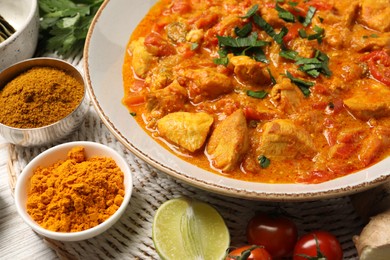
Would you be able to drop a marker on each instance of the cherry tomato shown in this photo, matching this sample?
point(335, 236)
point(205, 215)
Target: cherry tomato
point(379, 65)
point(276, 233)
point(319, 244)
point(249, 253)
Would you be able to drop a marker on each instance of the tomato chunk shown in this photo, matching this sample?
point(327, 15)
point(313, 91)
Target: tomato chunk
point(379, 65)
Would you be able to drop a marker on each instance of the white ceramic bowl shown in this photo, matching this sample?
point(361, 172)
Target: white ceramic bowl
point(104, 55)
point(55, 131)
point(55, 154)
point(23, 15)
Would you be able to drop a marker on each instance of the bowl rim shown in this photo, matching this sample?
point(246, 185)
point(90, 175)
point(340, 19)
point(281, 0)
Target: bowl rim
point(336, 188)
point(28, 170)
point(30, 17)
point(33, 62)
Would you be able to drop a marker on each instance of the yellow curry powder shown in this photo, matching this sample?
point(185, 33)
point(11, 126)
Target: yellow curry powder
point(39, 97)
point(75, 194)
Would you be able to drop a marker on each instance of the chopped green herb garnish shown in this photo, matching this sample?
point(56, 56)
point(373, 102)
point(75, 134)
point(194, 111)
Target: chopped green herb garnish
point(289, 54)
point(249, 46)
point(263, 161)
point(244, 31)
point(257, 94)
point(293, 3)
point(302, 61)
point(259, 55)
point(64, 24)
point(312, 66)
point(325, 63)
point(302, 33)
point(273, 80)
point(194, 46)
point(318, 35)
point(251, 12)
point(264, 25)
point(284, 14)
point(223, 59)
point(279, 37)
point(309, 16)
point(302, 84)
point(133, 113)
point(250, 41)
point(371, 35)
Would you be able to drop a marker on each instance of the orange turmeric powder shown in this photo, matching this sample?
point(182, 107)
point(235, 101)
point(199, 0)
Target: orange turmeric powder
point(75, 194)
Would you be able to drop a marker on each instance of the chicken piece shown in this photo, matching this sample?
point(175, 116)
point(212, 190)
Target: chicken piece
point(369, 41)
point(166, 100)
point(375, 14)
point(250, 71)
point(282, 139)
point(376, 102)
point(195, 36)
point(229, 142)
point(205, 83)
point(346, 11)
point(185, 129)
point(141, 58)
point(162, 75)
point(286, 96)
point(270, 15)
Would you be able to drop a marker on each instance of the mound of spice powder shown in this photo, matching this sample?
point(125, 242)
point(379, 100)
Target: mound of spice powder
point(75, 194)
point(39, 97)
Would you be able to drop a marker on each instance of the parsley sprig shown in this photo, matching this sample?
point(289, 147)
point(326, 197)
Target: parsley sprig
point(64, 24)
point(315, 66)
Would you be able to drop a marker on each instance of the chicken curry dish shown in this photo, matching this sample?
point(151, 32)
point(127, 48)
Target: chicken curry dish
point(262, 90)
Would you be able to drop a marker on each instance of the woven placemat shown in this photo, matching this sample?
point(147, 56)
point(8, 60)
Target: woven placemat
point(131, 237)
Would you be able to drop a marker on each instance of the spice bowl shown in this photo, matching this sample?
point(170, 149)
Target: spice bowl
point(22, 109)
point(57, 154)
point(23, 16)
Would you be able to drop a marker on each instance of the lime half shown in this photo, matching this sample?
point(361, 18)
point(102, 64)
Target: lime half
point(185, 228)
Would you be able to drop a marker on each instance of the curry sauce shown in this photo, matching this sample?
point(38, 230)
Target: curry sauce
point(264, 91)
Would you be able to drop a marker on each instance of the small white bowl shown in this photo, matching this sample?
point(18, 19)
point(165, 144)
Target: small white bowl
point(55, 154)
point(23, 15)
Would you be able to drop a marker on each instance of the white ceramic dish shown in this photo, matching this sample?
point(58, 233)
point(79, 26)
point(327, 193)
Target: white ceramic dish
point(23, 15)
point(55, 154)
point(104, 54)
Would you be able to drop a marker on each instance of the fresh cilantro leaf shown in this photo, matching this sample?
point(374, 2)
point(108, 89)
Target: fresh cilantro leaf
point(257, 94)
point(273, 80)
point(302, 84)
point(194, 46)
point(64, 24)
point(318, 35)
point(249, 46)
point(251, 12)
point(279, 37)
point(258, 54)
point(263, 161)
point(325, 63)
point(244, 31)
point(289, 54)
point(302, 33)
point(309, 16)
point(284, 14)
point(264, 25)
